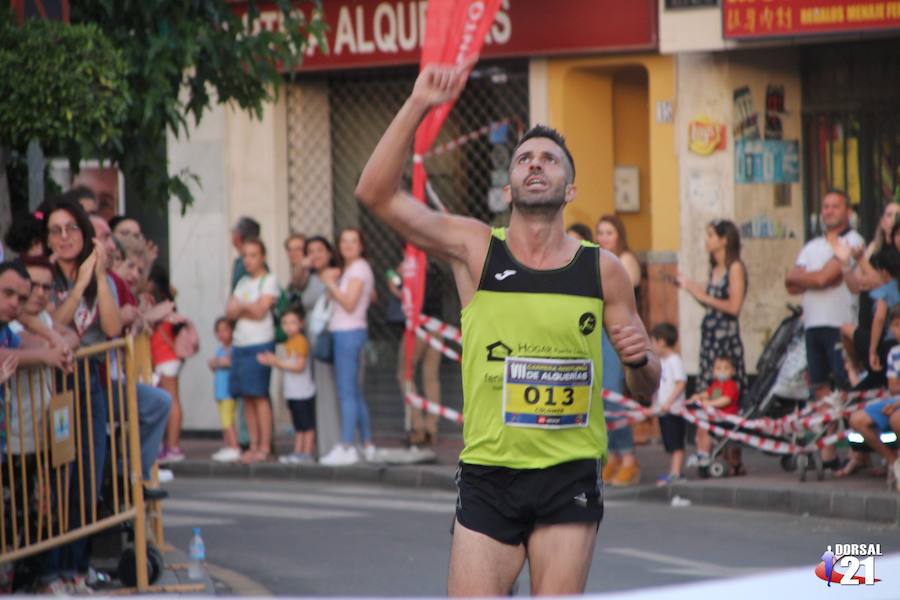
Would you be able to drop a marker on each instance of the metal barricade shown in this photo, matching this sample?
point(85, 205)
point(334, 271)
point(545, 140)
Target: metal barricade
point(59, 430)
point(144, 370)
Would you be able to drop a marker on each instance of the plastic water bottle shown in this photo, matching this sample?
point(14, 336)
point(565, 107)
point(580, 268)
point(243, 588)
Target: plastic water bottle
point(197, 552)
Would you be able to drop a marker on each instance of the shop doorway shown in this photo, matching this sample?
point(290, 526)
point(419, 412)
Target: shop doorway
point(851, 128)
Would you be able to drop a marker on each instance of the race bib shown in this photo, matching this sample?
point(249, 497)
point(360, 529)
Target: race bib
point(547, 393)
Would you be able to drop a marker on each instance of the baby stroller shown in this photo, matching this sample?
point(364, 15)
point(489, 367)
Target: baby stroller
point(778, 388)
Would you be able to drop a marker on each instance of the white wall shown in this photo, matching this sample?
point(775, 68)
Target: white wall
point(706, 83)
point(241, 163)
point(538, 100)
point(690, 29)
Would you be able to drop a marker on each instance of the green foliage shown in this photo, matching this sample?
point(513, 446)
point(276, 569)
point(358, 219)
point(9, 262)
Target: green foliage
point(61, 85)
point(185, 55)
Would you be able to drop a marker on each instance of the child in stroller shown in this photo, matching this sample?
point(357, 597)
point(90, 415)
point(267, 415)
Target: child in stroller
point(723, 394)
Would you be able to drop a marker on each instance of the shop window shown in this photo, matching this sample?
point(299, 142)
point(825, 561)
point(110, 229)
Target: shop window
point(851, 128)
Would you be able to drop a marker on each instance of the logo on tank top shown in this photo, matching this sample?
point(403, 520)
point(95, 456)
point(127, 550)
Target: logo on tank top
point(587, 323)
point(504, 274)
point(498, 351)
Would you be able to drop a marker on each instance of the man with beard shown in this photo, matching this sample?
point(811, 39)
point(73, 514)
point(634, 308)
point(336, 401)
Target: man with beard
point(533, 301)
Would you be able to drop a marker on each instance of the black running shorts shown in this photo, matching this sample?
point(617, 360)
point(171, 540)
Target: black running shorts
point(508, 504)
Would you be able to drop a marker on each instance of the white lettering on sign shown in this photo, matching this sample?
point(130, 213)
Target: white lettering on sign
point(386, 28)
point(407, 28)
point(363, 46)
point(475, 12)
point(502, 29)
point(394, 27)
point(344, 35)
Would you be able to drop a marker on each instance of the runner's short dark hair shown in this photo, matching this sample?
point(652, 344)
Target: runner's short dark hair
point(542, 131)
point(666, 332)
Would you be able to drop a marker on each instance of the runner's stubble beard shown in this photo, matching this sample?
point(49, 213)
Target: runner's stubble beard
point(546, 205)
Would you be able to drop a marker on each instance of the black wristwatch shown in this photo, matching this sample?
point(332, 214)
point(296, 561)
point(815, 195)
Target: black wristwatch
point(638, 364)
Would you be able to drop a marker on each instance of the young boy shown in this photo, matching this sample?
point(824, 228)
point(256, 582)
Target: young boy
point(884, 415)
point(220, 365)
point(299, 388)
point(670, 393)
point(724, 394)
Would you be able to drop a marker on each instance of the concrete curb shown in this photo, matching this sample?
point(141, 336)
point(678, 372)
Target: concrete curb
point(880, 507)
point(412, 476)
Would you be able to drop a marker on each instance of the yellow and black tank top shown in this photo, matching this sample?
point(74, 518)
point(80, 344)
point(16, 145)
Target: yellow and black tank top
point(532, 362)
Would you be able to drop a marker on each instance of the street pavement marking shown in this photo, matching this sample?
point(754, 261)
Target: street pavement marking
point(255, 510)
point(688, 567)
point(349, 489)
point(445, 508)
point(194, 521)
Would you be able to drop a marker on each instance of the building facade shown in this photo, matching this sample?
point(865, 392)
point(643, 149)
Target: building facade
point(777, 102)
point(597, 77)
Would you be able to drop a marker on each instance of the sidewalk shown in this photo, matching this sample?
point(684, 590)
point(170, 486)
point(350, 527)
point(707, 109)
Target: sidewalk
point(766, 486)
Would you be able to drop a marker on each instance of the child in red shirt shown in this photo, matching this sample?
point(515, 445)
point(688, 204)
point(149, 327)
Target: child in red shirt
point(723, 394)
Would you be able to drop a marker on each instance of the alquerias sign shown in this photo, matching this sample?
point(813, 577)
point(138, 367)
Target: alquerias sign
point(373, 33)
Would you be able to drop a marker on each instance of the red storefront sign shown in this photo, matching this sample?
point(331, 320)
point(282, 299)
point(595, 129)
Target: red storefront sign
point(376, 33)
point(748, 19)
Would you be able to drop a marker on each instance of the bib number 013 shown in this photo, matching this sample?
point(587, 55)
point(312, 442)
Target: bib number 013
point(566, 396)
point(547, 393)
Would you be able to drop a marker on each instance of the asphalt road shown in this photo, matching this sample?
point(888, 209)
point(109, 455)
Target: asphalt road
point(324, 539)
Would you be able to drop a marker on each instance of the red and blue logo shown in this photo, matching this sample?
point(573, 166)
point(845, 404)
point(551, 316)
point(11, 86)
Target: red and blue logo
point(852, 558)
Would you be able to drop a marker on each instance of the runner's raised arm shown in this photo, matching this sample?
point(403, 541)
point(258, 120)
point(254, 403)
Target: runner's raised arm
point(447, 236)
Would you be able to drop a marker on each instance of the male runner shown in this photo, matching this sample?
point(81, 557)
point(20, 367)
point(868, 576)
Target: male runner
point(533, 301)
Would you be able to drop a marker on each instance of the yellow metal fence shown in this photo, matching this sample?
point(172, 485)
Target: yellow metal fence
point(60, 430)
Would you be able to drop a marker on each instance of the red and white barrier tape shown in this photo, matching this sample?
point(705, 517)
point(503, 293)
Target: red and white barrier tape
point(445, 330)
point(435, 409)
point(438, 345)
point(460, 141)
point(814, 416)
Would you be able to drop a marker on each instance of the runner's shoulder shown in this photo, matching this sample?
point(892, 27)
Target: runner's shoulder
point(613, 274)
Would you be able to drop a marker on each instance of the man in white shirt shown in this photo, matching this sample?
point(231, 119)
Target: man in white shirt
point(827, 301)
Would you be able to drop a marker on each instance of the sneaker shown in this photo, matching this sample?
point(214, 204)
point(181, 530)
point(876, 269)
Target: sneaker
point(57, 587)
point(295, 458)
point(340, 456)
point(627, 476)
point(371, 453)
point(170, 455)
point(664, 480)
point(79, 587)
point(227, 455)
